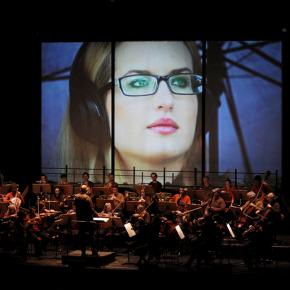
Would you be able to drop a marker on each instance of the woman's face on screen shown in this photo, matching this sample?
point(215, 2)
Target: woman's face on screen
point(160, 126)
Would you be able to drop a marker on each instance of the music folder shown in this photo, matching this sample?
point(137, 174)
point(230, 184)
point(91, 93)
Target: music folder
point(130, 230)
point(100, 219)
point(180, 232)
point(231, 231)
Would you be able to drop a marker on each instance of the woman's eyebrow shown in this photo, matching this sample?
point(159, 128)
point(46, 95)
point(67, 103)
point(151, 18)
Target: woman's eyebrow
point(137, 71)
point(147, 72)
point(181, 70)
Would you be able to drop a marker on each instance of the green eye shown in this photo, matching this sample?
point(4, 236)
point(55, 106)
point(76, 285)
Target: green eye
point(139, 83)
point(180, 81)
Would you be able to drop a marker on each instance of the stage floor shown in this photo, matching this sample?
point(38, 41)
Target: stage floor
point(124, 267)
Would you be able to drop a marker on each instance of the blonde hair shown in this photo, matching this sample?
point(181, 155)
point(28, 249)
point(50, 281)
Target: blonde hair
point(84, 139)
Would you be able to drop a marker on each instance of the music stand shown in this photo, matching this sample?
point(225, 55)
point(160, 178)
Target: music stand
point(36, 188)
point(131, 206)
point(100, 202)
point(167, 205)
point(240, 194)
point(100, 190)
point(46, 188)
point(67, 189)
point(77, 189)
point(39, 188)
point(148, 189)
point(201, 194)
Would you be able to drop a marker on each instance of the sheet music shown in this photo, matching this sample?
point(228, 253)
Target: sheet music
point(130, 230)
point(99, 219)
point(230, 230)
point(180, 232)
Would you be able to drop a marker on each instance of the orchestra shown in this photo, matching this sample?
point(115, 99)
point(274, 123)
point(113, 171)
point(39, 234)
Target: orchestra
point(259, 215)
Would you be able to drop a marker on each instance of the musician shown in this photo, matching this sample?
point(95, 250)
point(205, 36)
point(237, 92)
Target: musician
point(273, 215)
point(260, 187)
point(252, 204)
point(228, 189)
point(179, 212)
point(272, 202)
point(58, 196)
point(263, 230)
point(156, 185)
point(206, 184)
point(217, 204)
point(14, 196)
point(181, 196)
point(63, 179)
point(86, 181)
point(118, 197)
point(141, 214)
point(11, 212)
point(84, 212)
point(107, 210)
point(43, 179)
point(35, 232)
point(142, 195)
point(111, 182)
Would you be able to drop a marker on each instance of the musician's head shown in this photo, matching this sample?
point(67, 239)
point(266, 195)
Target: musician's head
point(270, 196)
point(257, 180)
point(142, 192)
point(115, 189)
point(85, 176)
point(84, 189)
point(181, 191)
point(107, 207)
point(63, 178)
point(139, 208)
point(251, 195)
point(43, 178)
point(228, 183)
point(14, 187)
point(154, 176)
point(57, 191)
point(205, 180)
point(111, 177)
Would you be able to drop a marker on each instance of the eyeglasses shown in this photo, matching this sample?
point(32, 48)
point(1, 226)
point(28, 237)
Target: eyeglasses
point(145, 85)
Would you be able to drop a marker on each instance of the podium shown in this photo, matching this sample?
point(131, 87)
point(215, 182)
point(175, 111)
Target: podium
point(75, 259)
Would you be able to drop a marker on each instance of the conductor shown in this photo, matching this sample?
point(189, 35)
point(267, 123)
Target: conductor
point(84, 212)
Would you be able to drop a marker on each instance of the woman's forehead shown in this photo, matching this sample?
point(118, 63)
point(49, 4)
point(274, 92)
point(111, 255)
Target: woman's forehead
point(158, 57)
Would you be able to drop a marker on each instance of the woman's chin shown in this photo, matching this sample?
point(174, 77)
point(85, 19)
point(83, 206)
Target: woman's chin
point(162, 157)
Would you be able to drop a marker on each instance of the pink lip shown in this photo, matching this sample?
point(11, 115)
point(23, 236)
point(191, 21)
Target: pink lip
point(164, 126)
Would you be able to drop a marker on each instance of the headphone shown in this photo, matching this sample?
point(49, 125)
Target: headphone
point(86, 111)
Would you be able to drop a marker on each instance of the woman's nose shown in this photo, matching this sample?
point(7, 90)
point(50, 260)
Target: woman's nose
point(163, 99)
